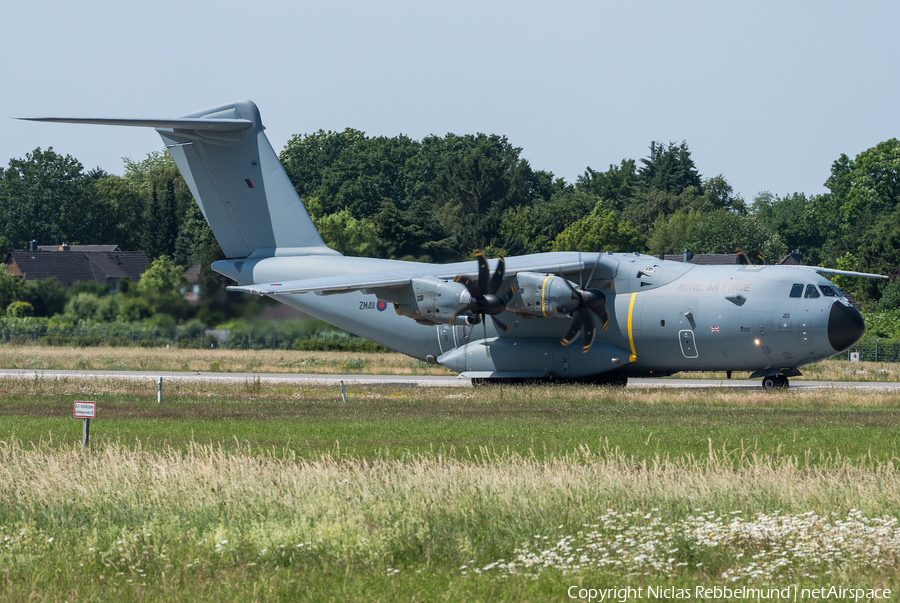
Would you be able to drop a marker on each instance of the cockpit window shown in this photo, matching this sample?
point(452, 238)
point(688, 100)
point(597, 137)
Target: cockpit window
point(797, 291)
point(811, 291)
point(828, 291)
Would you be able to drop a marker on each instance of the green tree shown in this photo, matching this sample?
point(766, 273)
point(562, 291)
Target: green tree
point(617, 185)
point(870, 183)
point(307, 157)
point(162, 289)
point(10, 288)
point(83, 306)
point(19, 309)
point(533, 228)
point(195, 238)
point(121, 208)
point(722, 231)
point(47, 296)
point(482, 177)
point(601, 230)
point(670, 169)
point(410, 233)
point(47, 197)
point(718, 194)
point(670, 234)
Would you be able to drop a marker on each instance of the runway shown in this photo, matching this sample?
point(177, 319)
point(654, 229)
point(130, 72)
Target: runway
point(404, 380)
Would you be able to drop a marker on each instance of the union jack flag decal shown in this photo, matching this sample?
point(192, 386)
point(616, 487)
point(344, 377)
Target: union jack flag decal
point(715, 329)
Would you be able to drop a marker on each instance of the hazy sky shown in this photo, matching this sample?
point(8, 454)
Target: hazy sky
point(768, 94)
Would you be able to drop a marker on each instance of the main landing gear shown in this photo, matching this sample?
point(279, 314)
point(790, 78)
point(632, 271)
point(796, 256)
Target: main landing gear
point(774, 381)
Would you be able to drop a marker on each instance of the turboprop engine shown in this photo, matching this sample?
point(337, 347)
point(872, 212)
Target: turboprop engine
point(540, 295)
point(554, 296)
point(430, 301)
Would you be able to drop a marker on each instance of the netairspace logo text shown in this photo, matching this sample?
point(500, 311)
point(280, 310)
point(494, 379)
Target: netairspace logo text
point(717, 593)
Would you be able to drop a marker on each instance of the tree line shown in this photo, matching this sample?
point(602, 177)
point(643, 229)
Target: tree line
point(438, 198)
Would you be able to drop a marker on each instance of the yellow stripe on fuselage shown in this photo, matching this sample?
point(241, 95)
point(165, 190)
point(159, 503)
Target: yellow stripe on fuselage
point(543, 293)
point(630, 332)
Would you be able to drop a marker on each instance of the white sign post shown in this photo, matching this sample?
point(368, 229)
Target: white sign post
point(86, 411)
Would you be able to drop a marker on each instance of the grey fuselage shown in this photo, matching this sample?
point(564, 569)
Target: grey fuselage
point(665, 316)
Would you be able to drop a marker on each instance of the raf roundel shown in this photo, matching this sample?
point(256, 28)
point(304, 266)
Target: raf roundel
point(381, 306)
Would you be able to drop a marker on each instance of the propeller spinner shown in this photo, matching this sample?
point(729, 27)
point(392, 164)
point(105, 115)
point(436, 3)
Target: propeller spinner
point(483, 290)
point(585, 303)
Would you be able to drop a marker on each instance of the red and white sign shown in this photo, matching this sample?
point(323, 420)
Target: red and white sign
point(85, 410)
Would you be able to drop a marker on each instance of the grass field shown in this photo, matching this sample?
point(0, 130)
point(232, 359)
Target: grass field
point(255, 492)
point(280, 361)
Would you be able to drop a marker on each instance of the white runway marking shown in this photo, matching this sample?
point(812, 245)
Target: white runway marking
point(414, 380)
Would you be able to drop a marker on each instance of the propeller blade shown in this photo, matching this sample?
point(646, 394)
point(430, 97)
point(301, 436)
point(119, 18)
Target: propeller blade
point(589, 331)
point(471, 285)
point(743, 257)
point(591, 277)
point(500, 324)
point(603, 314)
point(497, 278)
point(510, 294)
point(581, 270)
point(483, 272)
point(574, 328)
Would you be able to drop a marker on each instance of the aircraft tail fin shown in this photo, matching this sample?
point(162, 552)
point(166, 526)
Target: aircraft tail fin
point(237, 180)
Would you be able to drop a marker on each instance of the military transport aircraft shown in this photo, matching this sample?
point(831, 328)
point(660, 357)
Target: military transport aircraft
point(505, 319)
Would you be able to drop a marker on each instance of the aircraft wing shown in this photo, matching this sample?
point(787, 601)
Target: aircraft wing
point(328, 285)
point(824, 271)
point(345, 283)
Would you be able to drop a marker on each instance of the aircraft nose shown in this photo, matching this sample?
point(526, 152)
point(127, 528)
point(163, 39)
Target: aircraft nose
point(845, 326)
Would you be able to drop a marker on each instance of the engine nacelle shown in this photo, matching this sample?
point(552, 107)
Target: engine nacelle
point(538, 294)
point(429, 300)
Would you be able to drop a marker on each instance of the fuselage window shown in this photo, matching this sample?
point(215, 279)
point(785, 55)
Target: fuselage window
point(662, 323)
point(797, 291)
point(827, 291)
point(811, 291)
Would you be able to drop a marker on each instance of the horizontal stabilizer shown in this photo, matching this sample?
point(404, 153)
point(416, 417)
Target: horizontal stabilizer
point(177, 123)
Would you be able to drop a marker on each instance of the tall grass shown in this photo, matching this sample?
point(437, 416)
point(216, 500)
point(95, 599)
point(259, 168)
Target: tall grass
point(123, 518)
point(217, 360)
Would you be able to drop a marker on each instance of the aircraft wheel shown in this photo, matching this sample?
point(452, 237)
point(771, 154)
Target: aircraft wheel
point(478, 381)
point(783, 381)
point(770, 382)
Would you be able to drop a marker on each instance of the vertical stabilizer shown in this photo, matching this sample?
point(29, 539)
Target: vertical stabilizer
point(236, 178)
point(241, 186)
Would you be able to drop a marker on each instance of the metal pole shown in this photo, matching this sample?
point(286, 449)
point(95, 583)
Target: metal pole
point(159, 391)
point(343, 392)
point(86, 432)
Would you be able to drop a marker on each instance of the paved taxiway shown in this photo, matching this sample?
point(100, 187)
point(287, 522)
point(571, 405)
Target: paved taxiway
point(423, 381)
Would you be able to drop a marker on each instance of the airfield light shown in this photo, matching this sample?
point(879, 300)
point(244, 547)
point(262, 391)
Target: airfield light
point(756, 341)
